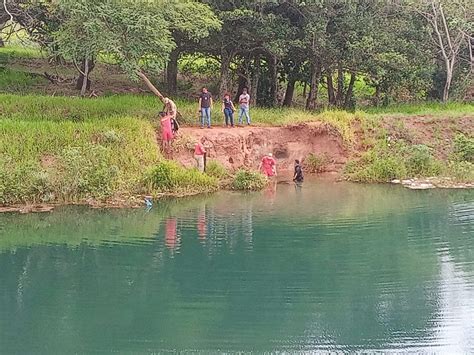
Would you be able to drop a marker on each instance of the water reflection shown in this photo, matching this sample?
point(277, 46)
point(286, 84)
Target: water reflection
point(329, 267)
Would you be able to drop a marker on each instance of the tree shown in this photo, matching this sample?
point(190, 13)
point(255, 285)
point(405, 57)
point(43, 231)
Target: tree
point(451, 25)
point(189, 22)
point(134, 33)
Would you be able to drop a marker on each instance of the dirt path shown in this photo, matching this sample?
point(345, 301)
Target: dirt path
point(244, 146)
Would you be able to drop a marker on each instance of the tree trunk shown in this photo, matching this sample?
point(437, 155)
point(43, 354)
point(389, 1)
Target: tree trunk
point(272, 68)
point(340, 85)
point(85, 73)
point(305, 84)
point(85, 80)
point(377, 96)
point(2, 44)
point(313, 89)
point(151, 86)
point(290, 91)
point(331, 93)
point(172, 72)
point(350, 90)
point(449, 78)
point(253, 90)
point(226, 58)
point(242, 83)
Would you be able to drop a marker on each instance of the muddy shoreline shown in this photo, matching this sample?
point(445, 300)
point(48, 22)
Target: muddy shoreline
point(285, 177)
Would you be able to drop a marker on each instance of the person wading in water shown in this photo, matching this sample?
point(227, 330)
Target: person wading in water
point(268, 165)
point(298, 175)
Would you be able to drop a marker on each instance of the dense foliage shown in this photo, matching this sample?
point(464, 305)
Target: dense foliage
point(403, 50)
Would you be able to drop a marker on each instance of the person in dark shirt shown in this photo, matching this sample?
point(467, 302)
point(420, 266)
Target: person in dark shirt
point(298, 176)
point(205, 106)
point(228, 109)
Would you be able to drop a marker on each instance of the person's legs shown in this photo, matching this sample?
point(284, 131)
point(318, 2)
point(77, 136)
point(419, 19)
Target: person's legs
point(200, 162)
point(247, 115)
point(227, 114)
point(241, 113)
point(207, 110)
point(203, 112)
point(231, 117)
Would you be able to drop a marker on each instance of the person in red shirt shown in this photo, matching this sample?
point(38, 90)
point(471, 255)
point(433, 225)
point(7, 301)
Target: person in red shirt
point(166, 131)
point(268, 165)
point(199, 154)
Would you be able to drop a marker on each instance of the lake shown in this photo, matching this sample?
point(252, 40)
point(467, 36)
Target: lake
point(328, 267)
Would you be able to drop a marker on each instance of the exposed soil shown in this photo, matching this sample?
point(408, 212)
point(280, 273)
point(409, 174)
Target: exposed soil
point(245, 146)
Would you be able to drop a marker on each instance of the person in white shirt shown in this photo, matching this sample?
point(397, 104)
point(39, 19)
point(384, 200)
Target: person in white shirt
point(244, 103)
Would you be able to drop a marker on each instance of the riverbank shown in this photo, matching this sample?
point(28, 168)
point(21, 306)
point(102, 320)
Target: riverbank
point(103, 152)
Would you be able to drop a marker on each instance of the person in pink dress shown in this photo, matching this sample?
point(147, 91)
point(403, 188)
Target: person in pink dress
point(268, 165)
point(166, 131)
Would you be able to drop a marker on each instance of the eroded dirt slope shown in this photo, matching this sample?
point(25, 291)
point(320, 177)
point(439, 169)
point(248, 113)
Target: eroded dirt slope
point(244, 146)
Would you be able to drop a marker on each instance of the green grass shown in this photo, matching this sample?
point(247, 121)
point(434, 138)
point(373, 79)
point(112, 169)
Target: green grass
point(17, 81)
point(169, 177)
point(453, 109)
point(246, 180)
point(50, 161)
point(11, 52)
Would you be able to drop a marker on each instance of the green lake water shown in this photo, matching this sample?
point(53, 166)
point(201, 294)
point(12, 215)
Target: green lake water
point(330, 267)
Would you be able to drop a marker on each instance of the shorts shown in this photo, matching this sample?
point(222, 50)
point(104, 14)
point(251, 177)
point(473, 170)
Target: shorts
point(167, 136)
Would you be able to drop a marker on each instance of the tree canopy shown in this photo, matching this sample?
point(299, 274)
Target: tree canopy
point(403, 48)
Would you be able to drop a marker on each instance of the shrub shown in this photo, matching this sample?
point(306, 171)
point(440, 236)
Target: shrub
point(315, 163)
point(419, 161)
point(168, 176)
point(461, 171)
point(216, 169)
point(464, 148)
point(248, 180)
point(20, 183)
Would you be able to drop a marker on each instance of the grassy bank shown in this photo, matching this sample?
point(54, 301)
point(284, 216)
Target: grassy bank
point(66, 149)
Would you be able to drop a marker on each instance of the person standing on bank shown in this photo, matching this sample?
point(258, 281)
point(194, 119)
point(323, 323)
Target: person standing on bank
point(205, 106)
point(244, 104)
point(199, 154)
point(228, 109)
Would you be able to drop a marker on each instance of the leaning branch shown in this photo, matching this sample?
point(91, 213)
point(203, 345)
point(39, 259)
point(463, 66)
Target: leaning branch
point(151, 86)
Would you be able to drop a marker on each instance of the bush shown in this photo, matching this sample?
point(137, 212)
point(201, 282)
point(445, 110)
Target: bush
point(168, 176)
point(464, 148)
point(20, 183)
point(461, 171)
point(249, 180)
point(216, 169)
point(420, 162)
point(316, 163)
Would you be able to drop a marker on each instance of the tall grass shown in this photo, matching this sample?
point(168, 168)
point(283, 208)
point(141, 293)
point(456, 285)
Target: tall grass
point(453, 109)
point(63, 160)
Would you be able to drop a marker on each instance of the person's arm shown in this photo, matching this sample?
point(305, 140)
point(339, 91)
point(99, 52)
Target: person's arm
point(211, 102)
point(223, 107)
point(199, 103)
point(232, 104)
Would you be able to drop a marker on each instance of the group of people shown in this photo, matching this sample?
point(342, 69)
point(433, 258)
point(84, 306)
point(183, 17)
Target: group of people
point(170, 127)
point(228, 108)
